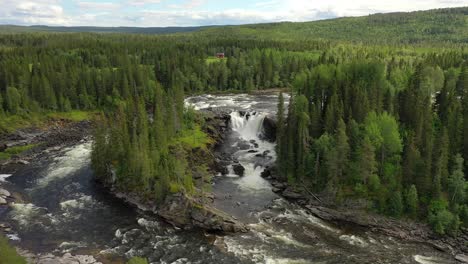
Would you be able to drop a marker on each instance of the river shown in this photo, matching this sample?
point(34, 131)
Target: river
point(59, 208)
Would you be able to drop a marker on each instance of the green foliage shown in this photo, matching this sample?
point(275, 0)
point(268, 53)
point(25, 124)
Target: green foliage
point(192, 138)
point(74, 116)
point(393, 145)
point(139, 154)
point(441, 220)
point(8, 254)
point(412, 202)
point(387, 112)
point(395, 204)
point(15, 151)
point(457, 184)
point(439, 26)
point(137, 260)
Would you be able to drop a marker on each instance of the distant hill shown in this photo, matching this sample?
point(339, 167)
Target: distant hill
point(434, 26)
point(438, 25)
point(134, 30)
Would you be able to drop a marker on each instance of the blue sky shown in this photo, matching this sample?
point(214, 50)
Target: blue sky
point(162, 13)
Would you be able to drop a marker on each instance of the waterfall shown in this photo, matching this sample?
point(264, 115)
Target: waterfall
point(249, 126)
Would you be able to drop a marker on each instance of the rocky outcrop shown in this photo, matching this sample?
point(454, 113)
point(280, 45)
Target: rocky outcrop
point(405, 230)
point(351, 213)
point(51, 137)
point(269, 129)
point(67, 258)
point(4, 194)
point(185, 212)
point(238, 169)
point(462, 258)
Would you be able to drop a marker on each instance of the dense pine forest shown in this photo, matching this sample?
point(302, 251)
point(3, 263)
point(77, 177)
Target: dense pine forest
point(388, 129)
point(384, 123)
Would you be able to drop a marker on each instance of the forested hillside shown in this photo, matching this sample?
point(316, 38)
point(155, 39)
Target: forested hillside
point(90, 29)
point(384, 123)
point(390, 129)
point(138, 83)
point(433, 26)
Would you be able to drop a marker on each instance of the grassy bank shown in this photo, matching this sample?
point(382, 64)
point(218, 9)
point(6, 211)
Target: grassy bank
point(8, 153)
point(8, 254)
point(10, 123)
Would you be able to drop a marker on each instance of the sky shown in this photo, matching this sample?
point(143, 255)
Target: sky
point(163, 13)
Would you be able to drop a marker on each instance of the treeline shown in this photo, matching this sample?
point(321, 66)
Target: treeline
point(138, 84)
point(86, 71)
point(439, 26)
point(380, 122)
point(392, 130)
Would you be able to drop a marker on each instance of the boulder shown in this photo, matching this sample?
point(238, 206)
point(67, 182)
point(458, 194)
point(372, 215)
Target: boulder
point(22, 162)
point(462, 258)
point(276, 190)
point(2, 201)
point(265, 173)
point(243, 145)
point(279, 185)
point(269, 129)
point(4, 193)
point(291, 194)
point(176, 209)
point(238, 169)
point(184, 212)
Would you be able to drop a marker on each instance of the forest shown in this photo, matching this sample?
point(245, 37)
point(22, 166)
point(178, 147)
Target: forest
point(391, 131)
point(383, 123)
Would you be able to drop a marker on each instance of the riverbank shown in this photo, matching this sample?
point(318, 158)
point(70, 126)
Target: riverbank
point(352, 214)
point(186, 212)
point(40, 140)
point(193, 210)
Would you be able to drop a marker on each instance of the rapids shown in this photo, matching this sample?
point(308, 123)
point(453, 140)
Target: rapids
point(63, 210)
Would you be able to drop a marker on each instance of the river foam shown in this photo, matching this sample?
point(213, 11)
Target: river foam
point(3, 177)
point(72, 160)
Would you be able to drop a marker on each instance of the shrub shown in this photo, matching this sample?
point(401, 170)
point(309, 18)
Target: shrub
point(137, 260)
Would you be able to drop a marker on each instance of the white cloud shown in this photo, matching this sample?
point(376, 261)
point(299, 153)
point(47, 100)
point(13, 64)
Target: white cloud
point(98, 5)
point(114, 13)
point(32, 12)
point(143, 2)
point(189, 4)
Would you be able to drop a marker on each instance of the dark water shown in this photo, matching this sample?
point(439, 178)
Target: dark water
point(63, 210)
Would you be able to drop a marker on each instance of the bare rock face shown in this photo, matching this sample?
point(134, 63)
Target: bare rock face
point(290, 193)
point(269, 129)
point(185, 212)
point(67, 258)
point(462, 258)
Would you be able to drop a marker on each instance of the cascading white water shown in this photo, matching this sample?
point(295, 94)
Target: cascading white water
point(249, 126)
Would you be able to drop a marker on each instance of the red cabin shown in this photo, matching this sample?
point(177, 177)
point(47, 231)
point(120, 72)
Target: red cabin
point(220, 55)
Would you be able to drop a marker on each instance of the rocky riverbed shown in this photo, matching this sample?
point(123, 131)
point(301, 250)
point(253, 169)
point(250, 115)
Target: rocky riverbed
point(351, 213)
point(61, 215)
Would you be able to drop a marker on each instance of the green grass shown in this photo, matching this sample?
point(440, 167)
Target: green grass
point(8, 254)
point(15, 151)
point(213, 59)
point(137, 260)
point(75, 116)
point(193, 138)
point(10, 123)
